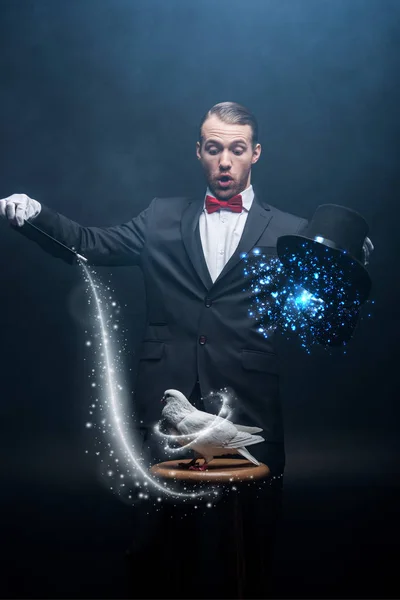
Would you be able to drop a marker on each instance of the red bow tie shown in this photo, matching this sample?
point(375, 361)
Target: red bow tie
point(234, 204)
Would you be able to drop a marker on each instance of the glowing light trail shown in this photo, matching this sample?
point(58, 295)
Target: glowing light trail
point(116, 416)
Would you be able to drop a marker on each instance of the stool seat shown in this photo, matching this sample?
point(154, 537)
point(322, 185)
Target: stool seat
point(219, 470)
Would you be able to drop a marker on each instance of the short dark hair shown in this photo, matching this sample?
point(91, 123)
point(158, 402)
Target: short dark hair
point(232, 112)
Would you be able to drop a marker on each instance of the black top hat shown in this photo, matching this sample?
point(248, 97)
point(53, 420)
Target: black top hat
point(327, 257)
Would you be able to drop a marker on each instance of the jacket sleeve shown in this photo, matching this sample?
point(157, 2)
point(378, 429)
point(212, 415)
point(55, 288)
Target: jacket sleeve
point(120, 245)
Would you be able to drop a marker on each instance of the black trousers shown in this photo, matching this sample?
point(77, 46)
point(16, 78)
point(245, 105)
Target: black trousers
point(223, 551)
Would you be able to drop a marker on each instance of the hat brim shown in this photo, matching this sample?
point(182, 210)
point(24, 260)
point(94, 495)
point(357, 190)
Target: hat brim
point(312, 263)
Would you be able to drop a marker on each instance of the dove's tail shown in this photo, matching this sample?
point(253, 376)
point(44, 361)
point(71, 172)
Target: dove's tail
point(244, 452)
point(247, 429)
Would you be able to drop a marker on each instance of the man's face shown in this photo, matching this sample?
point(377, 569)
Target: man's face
point(227, 154)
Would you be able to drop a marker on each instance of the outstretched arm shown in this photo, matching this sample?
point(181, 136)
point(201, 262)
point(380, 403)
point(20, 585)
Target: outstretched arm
point(102, 246)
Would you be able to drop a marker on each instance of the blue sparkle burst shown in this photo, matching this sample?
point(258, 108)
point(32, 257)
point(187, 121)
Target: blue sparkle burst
point(317, 312)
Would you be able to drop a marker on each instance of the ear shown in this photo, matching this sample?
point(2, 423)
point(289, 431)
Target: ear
point(256, 154)
point(198, 150)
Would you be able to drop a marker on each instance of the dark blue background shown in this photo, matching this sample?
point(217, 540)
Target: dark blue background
point(100, 102)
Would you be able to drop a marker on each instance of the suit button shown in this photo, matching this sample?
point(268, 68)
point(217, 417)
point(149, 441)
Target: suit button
point(208, 302)
point(202, 340)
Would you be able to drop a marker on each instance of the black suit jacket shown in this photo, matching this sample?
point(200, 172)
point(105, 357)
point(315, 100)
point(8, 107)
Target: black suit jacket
point(196, 329)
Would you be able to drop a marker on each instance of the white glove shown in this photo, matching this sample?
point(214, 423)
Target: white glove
point(368, 248)
point(19, 208)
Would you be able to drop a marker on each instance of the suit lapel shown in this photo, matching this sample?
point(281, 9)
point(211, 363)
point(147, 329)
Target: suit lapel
point(257, 220)
point(191, 239)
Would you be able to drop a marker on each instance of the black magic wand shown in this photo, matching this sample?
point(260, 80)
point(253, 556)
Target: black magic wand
point(79, 256)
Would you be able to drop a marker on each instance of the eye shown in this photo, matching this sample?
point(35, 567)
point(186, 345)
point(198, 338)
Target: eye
point(212, 151)
point(238, 151)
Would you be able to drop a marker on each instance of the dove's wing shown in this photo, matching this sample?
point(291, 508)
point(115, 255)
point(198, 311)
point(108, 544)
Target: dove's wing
point(195, 421)
point(216, 431)
point(247, 428)
point(212, 430)
point(242, 439)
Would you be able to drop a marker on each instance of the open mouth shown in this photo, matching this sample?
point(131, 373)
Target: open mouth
point(224, 180)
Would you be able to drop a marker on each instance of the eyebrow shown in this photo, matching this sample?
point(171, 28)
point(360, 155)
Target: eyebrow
point(233, 143)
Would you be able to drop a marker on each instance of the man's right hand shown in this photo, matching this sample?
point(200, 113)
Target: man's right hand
point(19, 208)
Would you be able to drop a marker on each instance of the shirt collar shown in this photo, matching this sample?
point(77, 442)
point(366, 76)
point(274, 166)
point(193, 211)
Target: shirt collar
point(247, 197)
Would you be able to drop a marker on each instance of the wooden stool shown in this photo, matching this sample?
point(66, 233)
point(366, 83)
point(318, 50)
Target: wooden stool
point(220, 471)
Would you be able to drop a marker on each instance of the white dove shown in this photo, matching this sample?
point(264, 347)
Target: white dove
point(208, 435)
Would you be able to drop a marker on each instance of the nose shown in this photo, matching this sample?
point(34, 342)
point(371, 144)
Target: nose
point(225, 161)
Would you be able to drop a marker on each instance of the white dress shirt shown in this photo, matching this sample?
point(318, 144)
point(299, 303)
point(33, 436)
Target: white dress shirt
point(220, 232)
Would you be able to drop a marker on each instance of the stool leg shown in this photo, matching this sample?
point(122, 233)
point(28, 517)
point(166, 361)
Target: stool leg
point(240, 556)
